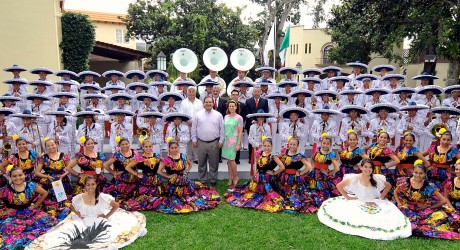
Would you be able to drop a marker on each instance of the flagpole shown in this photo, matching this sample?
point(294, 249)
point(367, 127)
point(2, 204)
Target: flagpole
point(274, 49)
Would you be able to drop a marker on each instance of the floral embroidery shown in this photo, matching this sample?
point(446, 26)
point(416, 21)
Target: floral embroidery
point(402, 155)
point(173, 165)
point(348, 155)
point(376, 151)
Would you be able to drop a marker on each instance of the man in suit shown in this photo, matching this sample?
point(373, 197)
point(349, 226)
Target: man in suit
point(220, 105)
point(242, 112)
point(252, 105)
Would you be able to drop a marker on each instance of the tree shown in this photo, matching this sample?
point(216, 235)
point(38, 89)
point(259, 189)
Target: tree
point(196, 24)
point(360, 28)
point(78, 38)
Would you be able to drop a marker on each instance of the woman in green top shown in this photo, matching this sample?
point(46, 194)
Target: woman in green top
point(233, 128)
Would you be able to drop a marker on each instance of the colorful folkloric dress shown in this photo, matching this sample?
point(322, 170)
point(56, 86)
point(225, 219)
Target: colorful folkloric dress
point(381, 156)
point(125, 184)
point(406, 161)
point(55, 168)
point(368, 216)
point(182, 195)
point(149, 186)
point(231, 125)
point(439, 222)
point(21, 225)
point(260, 192)
point(321, 186)
point(292, 187)
point(439, 173)
point(28, 164)
point(349, 160)
point(93, 167)
point(453, 194)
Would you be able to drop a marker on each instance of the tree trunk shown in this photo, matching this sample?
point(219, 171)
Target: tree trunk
point(267, 28)
point(453, 72)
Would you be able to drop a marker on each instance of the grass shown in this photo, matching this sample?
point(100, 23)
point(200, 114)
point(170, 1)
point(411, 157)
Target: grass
point(228, 227)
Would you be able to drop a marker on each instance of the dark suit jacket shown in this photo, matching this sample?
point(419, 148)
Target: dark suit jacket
point(222, 106)
point(251, 109)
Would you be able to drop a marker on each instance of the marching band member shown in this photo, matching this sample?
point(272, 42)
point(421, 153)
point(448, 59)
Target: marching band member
point(299, 98)
point(191, 105)
point(376, 94)
point(110, 90)
point(311, 73)
point(325, 99)
point(135, 75)
point(64, 102)
point(358, 67)
point(18, 88)
point(393, 84)
point(42, 87)
point(352, 95)
point(241, 77)
point(453, 100)
point(29, 131)
point(177, 130)
point(173, 102)
point(69, 86)
point(60, 130)
point(89, 128)
point(133, 89)
point(265, 87)
point(401, 98)
point(288, 72)
point(265, 80)
point(182, 87)
point(121, 99)
point(96, 103)
point(120, 128)
point(429, 99)
point(313, 85)
point(42, 76)
point(275, 106)
point(159, 89)
point(425, 79)
point(66, 77)
point(147, 104)
point(158, 76)
point(9, 101)
point(353, 121)
point(340, 83)
point(286, 87)
point(40, 106)
point(412, 122)
point(87, 89)
point(208, 84)
point(257, 132)
point(245, 88)
point(292, 126)
point(383, 69)
point(16, 71)
point(89, 80)
point(152, 121)
point(444, 118)
point(382, 121)
point(331, 71)
point(324, 125)
point(7, 130)
point(213, 76)
point(114, 76)
point(366, 83)
point(182, 77)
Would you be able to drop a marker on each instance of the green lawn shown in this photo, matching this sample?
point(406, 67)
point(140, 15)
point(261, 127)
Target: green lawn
point(229, 227)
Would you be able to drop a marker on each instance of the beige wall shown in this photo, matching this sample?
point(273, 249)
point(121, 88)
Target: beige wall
point(31, 34)
point(417, 69)
point(106, 32)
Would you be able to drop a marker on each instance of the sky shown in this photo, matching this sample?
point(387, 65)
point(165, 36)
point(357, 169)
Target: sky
point(121, 6)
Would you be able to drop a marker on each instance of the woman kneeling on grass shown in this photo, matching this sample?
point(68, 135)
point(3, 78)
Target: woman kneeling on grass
point(182, 195)
point(362, 210)
point(259, 192)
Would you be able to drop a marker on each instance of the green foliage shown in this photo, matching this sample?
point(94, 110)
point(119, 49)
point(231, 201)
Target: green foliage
point(78, 38)
point(197, 25)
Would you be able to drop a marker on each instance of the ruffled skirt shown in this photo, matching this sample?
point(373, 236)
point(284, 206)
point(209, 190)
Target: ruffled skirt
point(50, 204)
point(148, 194)
point(124, 187)
point(439, 176)
point(321, 186)
point(295, 194)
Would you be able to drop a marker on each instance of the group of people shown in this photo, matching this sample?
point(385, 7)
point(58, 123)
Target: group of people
point(365, 115)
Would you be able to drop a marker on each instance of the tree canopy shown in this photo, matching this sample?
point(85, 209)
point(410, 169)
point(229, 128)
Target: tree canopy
point(195, 24)
point(360, 28)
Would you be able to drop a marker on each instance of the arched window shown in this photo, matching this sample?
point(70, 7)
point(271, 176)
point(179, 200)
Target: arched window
point(327, 49)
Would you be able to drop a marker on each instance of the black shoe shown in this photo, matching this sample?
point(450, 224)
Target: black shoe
point(237, 162)
point(196, 162)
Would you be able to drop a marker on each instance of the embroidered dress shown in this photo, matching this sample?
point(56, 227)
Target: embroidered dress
point(21, 225)
point(149, 186)
point(349, 160)
point(182, 195)
point(231, 125)
point(125, 184)
point(453, 194)
point(381, 156)
point(260, 192)
point(321, 186)
point(439, 222)
point(56, 168)
point(123, 227)
point(291, 187)
point(439, 173)
point(368, 216)
point(407, 159)
point(91, 166)
point(28, 164)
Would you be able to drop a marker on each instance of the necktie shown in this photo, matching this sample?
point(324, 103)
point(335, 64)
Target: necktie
point(324, 126)
point(176, 128)
point(215, 103)
point(257, 103)
point(277, 106)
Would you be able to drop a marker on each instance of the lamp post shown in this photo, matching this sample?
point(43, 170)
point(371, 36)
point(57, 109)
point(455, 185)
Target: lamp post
point(161, 61)
point(298, 67)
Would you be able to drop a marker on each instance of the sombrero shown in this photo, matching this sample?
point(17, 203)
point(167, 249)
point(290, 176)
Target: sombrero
point(351, 90)
point(329, 68)
point(450, 89)
point(307, 93)
point(277, 94)
point(14, 67)
point(184, 83)
point(388, 67)
point(26, 114)
point(98, 96)
point(357, 64)
point(7, 111)
point(400, 77)
point(315, 71)
point(389, 107)
point(160, 83)
point(240, 83)
point(60, 111)
point(264, 81)
point(314, 79)
point(86, 86)
point(283, 83)
point(286, 113)
point(61, 94)
point(284, 70)
point(425, 75)
point(88, 72)
point(141, 96)
point(31, 97)
point(63, 82)
point(404, 89)
point(86, 112)
point(21, 81)
point(208, 82)
point(152, 73)
point(450, 110)
point(326, 110)
point(36, 71)
point(363, 77)
point(171, 116)
point(130, 74)
point(338, 78)
point(61, 73)
point(436, 89)
point(346, 109)
point(9, 97)
point(260, 113)
point(115, 97)
point(382, 91)
point(120, 111)
point(326, 92)
point(266, 68)
point(111, 87)
point(109, 73)
point(413, 105)
point(151, 114)
point(41, 82)
point(167, 95)
point(134, 85)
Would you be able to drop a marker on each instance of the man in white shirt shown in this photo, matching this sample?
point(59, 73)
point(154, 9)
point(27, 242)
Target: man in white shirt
point(190, 106)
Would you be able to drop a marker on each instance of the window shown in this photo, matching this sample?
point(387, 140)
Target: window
point(290, 49)
point(306, 48)
point(297, 49)
point(309, 48)
point(326, 52)
point(120, 36)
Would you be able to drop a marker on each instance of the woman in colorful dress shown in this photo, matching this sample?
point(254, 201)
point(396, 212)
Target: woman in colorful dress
point(452, 189)
point(96, 223)
point(351, 156)
point(292, 181)
point(441, 159)
point(362, 209)
point(25, 159)
point(233, 129)
point(51, 167)
point(257, 130)
point(407, 155)
point(322, 180)
point(182, 195)
point(91, 163)
point(260, 192)
point(20, 221)
point(125, 183)
point(421, 201)
point(149, 185)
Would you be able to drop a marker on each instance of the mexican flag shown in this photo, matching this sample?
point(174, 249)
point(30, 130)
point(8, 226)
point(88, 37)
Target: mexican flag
point(284, 46)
